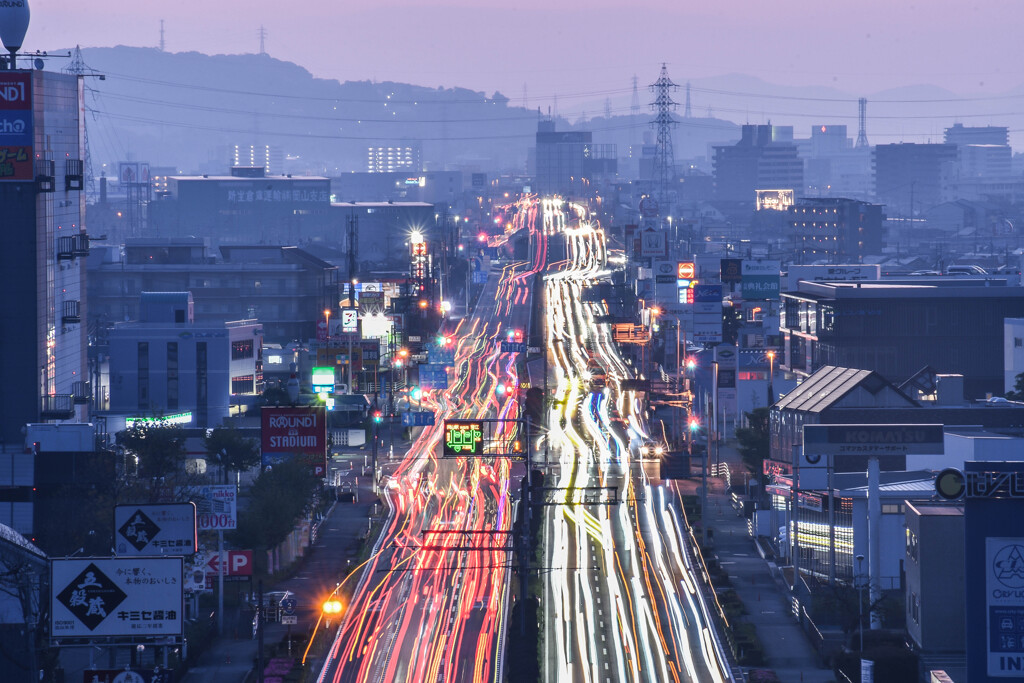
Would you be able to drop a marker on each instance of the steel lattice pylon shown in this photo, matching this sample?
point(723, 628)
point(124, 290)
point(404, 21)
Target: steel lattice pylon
point(664, 122)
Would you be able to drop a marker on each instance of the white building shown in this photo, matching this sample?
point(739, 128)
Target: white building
point(165, 364)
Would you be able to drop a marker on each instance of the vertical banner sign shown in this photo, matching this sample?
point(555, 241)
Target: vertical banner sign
point(1004, 605)
point(288, 433)
point(707, 314)
point(16, 160)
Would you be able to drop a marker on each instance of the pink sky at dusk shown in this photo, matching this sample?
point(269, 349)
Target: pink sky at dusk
point(571, 46)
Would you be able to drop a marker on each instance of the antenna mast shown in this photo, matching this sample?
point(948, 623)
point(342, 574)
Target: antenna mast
point(664, 122)
point(862, 133)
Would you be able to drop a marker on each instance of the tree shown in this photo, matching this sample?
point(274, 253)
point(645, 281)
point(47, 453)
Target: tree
point(160, 450)
point(277, 499)
point(1017, 393)
point(231, 450)
point(755, 439)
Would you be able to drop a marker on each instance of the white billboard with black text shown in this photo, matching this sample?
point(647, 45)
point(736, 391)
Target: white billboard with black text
point(93, 597)
point(163, 529)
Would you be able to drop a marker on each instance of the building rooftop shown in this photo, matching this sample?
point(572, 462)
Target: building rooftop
point(829, 384)
point(938, 287)
point(937, 509)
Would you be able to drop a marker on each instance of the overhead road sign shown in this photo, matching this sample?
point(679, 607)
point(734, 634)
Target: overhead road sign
point(513, 347)
point(418, 419)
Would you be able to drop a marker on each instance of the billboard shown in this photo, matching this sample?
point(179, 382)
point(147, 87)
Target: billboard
point(216, 508)
point(16, 158)
point(115, 597)
point(349, 320)
point(731, 270)
point(322, 379)
point(773, 200)
point(707, 314)
point(760, 280)
point(290, 432)
point(873, 439)
point(165, 529)
point(652, 243)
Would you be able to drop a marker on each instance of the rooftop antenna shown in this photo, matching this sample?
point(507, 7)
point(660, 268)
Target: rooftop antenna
point(862, 133)
point(161, 35)
point(13, 25)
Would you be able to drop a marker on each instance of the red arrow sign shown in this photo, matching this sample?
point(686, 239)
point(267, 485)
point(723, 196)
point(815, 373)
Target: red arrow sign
point(238, 563)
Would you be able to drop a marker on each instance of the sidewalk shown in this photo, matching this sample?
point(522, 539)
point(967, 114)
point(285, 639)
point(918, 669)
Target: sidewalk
point(788, 650)
point(231, 658)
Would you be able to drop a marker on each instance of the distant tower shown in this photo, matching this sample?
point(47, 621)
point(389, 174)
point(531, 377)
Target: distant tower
point(862, 133)
point(263, 41)
point(634, 107)
point(664, 122)
point(554, 109)
point(687, 113)
point(79, 67)
point(161, 35)
point(607, 108)
point(526, 102)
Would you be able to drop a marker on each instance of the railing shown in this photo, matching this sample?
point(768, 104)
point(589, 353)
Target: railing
point(57, 407)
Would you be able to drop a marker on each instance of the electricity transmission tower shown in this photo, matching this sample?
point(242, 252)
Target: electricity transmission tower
point(78, 67)
point(664, 122)
point(862, 133)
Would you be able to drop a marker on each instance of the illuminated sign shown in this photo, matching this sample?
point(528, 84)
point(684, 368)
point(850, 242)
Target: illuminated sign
point(16, 134)
point(349, 320)
point(419, 248)
point(290, 432)
point(323, 379)
point(686, 270)
point(463, 437)
point(774, 200)
point(163, 421)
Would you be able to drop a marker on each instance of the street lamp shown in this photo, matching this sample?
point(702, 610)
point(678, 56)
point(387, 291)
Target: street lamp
point(771, 377)
point(327, 319)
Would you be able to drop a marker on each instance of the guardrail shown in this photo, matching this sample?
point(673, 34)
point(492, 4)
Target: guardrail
point(722, 470)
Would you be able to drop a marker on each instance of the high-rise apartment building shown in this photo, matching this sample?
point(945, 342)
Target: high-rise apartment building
point(43, 342)
point(403, 157)
point(269, 157)
point(765, 158)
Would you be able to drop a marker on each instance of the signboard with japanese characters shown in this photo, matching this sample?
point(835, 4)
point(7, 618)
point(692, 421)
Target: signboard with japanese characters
point(167, 529)
point(94, 597)
point(1004, 603)
point(216, 508)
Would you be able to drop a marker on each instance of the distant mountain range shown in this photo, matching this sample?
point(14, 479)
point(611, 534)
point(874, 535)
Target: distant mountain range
point(187, 109)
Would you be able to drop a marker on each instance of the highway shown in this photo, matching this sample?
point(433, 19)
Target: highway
point(621, 601)
point(433, 599)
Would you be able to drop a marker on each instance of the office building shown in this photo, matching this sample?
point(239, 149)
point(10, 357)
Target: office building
point(285, 288)
point(567, 161)
point(909, 177)
point(43, 346)
point(835, 230)
point(897, 327)
point(404, 157)
point(244, 207)
point(959, 134)
point(765, 158)
point(166, 364)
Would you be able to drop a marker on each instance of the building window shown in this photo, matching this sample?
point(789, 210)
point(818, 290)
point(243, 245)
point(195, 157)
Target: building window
point(894, 509)
point(1018, 342)
point(242, 385)
point(241, 350)
point(202, 393)
point(914, 607)
point(143, 366)
point(172, 375)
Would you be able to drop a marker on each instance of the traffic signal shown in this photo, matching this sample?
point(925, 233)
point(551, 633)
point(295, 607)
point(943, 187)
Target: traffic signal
point(694, 424)
point(416, 393)
point(691, 364)
point(378, 416)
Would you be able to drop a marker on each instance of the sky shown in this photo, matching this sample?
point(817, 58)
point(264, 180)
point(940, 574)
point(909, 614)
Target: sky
point(578, 47)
